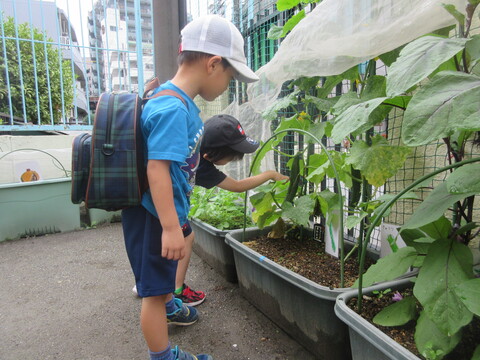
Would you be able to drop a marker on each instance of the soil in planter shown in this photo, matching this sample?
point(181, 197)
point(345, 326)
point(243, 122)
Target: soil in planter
point(307, 258)
point(404, 335)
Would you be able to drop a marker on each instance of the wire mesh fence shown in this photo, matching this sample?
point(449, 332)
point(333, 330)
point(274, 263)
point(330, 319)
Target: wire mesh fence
point(59, 55)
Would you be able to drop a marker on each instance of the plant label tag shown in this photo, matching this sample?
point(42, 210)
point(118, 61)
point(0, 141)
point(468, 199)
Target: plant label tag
point(318, 232)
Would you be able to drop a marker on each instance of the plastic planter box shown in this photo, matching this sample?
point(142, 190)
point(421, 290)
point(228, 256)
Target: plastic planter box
point(211, 247)
point(36, 208)
point(368, 342)
point(301, 307)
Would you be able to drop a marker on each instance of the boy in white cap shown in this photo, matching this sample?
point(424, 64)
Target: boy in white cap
point(210, 56)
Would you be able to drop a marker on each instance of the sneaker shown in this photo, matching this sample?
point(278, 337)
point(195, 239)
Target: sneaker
point(183, 355)
point(190, 296)
point(184, 315)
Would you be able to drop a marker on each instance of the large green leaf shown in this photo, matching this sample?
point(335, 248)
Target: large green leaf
point(356, 117)
point(397, 314)
point(419, 59)
point(302, 210)
point(447, 264)
point(434, 206)
point(465, 179)
point(379, 161)
point(390, 267)
point(286, 4)
point(321, 104)
point(264, 213)
point(469, 294)
point(446, 104)
point(429, 337)
point(270, 113)
point(292, 22)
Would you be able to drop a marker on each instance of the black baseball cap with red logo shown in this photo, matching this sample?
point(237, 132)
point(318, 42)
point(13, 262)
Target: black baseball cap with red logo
point(225, 130)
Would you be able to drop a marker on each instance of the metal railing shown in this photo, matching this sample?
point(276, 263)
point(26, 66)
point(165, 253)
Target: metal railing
point(58, 56)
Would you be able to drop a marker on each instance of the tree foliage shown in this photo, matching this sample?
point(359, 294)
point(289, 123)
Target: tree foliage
point(18, 59)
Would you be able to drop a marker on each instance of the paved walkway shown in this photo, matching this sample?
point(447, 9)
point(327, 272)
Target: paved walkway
point(68, 296)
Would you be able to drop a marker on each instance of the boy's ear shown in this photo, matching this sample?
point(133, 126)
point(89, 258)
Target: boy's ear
point(205, 156)
point(213, 62)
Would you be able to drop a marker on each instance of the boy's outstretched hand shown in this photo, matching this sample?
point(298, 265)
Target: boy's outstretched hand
point(276, 176)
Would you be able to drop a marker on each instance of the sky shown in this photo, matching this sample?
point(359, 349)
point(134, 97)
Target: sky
point(77, 11)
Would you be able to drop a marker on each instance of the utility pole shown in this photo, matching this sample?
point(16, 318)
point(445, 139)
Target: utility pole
point(169, 17)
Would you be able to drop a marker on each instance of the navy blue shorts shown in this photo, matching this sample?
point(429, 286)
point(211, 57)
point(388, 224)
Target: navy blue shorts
point(154, 274)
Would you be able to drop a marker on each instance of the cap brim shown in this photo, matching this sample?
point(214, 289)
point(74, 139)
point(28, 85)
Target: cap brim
point(246, 146)
point(244, 73)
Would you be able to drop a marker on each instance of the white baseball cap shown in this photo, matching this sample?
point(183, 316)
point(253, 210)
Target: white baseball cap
point(212, 34)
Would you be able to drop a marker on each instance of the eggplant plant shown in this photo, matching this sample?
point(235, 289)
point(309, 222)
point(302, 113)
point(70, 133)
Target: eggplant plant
point(444, 108)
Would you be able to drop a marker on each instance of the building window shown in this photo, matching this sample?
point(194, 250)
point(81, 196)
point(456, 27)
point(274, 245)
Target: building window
point(113, 28)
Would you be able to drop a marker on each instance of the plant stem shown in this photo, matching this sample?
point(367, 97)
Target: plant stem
point(337, 181)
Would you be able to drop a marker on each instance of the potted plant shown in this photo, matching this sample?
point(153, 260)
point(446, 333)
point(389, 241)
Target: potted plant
point(214, 212)
point(300, 306)
point(444, 301)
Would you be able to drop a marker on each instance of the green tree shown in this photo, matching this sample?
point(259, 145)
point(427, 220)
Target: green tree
point(48, 105)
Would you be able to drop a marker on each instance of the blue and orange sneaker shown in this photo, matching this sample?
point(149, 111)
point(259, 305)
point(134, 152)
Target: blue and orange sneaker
point(183, 355)
point(183, 315)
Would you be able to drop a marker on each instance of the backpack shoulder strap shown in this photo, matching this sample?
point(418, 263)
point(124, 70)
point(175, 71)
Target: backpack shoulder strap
point(167, 92)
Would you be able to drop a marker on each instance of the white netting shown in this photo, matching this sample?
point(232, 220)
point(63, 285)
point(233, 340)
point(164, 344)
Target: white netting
point(339, 34)
point(335, 36)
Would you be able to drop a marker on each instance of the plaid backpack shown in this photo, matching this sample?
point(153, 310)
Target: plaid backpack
point(108, 167)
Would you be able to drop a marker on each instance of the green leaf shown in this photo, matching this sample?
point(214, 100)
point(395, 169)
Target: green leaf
point(399, 313)
point(375, 87)
point(434, 206)
point(319, 130)
point(270, 113)
point(353, 221)
point(464, 179)
point(390, 267)
point(305, 83)
point(292, 22)
point(286, 4)
point(400, 101)
point(419, 59)
point(469, 294)
point(321, 104)
point(275, 32)
point(438, 229)
point(447, 264)
point(390, 57)
point(299, 213)
point(264, 213)
point(455, 13)
point(476, 354)
point(447, 104)
point(473, 47)
point(429, 337)
point(379, 161)
point(356, 117)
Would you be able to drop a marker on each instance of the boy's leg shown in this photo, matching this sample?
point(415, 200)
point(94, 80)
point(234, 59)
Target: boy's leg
point(183, 292)
point(153, 319)
point(182, 265)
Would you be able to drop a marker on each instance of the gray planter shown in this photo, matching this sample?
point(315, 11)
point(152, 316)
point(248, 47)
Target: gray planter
point(210, 246)
point(301, 307)
point(368, 342)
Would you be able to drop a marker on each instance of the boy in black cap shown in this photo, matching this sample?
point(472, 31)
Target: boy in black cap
point(224, 140)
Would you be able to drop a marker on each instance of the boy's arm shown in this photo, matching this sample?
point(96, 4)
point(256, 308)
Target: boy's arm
point(251, 182)
point(160, 182)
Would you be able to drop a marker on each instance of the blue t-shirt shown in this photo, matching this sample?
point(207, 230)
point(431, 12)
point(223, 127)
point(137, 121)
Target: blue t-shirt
point(173, 132)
